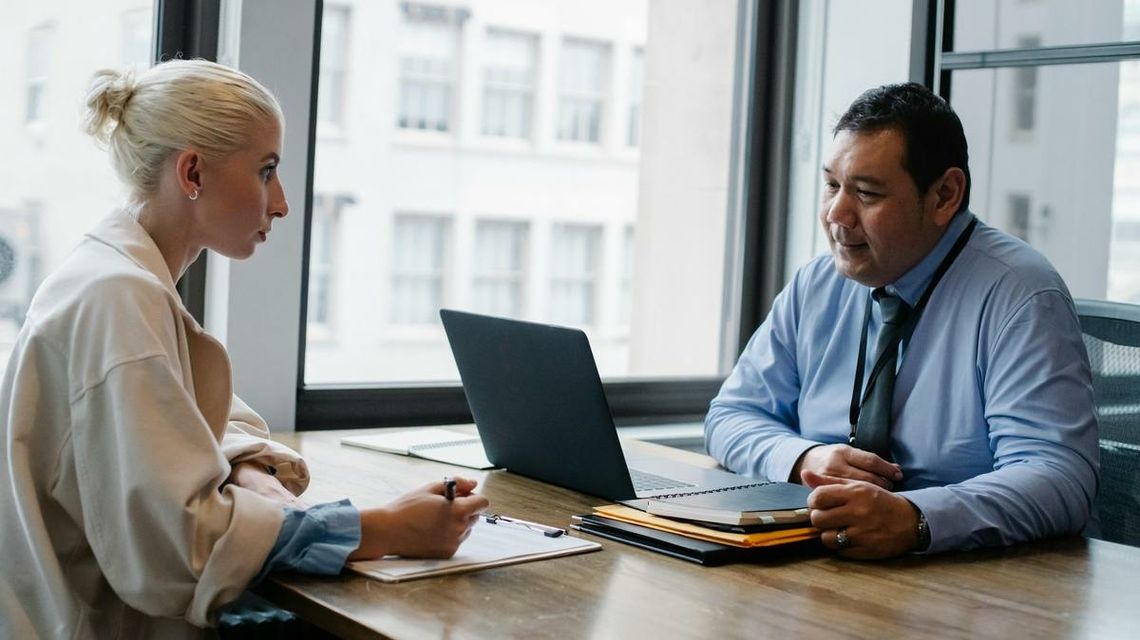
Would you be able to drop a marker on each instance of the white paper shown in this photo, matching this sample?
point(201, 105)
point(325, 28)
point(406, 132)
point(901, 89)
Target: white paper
point(489, 545)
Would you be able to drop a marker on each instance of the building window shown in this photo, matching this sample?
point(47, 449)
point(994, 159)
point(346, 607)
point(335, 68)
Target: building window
point(583, 76)
point(138, 24)
point(636, 87)
point(419, 248)
point(501, 206)
point(429, 61)
point(38, 68)
point(334, 56)
point(574, 272)
point(626, 309)
point(1025, 89)
point(323, 236)
point(500, 253)
point(508, 83)
point(1019, 216)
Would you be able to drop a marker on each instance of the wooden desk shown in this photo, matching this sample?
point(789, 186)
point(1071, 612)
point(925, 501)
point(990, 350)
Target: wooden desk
point(1060, 588)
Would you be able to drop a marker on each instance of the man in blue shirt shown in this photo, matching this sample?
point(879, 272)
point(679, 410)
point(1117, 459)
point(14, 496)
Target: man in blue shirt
point(989, 435)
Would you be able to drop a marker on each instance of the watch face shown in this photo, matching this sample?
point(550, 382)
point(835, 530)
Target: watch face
point(923, 533)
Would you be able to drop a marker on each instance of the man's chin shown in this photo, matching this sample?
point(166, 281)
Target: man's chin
point(857, 271)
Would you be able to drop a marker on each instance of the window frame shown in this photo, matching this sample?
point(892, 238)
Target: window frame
point(756, 223)
point(753, 263)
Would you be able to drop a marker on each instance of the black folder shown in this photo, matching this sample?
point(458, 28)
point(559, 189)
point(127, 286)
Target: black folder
point(678, 546)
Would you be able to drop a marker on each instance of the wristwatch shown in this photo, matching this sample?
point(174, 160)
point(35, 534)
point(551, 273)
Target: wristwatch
point(923, 531)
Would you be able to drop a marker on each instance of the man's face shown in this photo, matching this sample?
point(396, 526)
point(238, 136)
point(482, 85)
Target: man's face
point(877, 223)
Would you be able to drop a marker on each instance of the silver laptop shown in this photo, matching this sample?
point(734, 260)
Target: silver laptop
point(541, 411)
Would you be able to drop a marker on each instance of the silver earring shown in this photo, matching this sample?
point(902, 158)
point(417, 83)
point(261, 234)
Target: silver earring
point(193, 195)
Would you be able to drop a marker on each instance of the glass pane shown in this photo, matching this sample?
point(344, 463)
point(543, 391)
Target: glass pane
point(981, 25)
point(842, 49)
point(330, 94)
point(492, 156)
point(1056, 162)
point(508, 83)
point(57, 182)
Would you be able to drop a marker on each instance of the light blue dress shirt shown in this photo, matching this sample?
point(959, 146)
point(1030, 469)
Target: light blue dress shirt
point(317, 540)
point(994, 423)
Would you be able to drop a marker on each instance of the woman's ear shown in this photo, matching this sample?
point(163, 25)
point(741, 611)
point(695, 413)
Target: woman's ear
point(187, 167)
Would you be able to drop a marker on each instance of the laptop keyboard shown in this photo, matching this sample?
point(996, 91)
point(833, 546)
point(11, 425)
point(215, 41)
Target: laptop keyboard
point(643, 481)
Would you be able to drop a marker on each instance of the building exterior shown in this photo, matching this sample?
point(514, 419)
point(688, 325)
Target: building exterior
point(568, 161)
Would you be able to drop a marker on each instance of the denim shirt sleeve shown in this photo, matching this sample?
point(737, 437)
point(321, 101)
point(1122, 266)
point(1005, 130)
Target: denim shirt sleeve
point(317, 540)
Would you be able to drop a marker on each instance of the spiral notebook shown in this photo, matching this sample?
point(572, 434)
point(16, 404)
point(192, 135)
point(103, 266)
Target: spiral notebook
point(430, 443)
point(489, 545)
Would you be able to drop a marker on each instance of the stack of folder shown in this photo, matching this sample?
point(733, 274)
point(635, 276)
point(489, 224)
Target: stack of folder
point(702, 542)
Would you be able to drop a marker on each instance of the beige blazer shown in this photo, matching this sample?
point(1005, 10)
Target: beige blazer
point(119, 427)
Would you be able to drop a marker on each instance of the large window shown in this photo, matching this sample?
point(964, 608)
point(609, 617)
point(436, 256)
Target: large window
point(57, 182)
point(1066, 74)
point(490, 169)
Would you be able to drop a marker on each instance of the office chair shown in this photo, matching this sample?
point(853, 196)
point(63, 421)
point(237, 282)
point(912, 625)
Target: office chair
point(1111, 331)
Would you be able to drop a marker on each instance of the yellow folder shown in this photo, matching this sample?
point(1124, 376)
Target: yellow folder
point(760, 539)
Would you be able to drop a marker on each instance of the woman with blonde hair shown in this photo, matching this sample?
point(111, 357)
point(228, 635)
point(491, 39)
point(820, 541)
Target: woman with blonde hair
point(140, 494)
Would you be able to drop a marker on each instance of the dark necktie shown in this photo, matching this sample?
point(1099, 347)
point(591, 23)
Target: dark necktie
point(873, 433)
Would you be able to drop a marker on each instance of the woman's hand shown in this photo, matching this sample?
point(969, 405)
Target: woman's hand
point(256, 477)
point(420, 524)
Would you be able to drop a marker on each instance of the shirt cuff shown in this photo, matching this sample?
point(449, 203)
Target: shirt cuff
point(317, 540)
point(783, 457)
point(940, 522)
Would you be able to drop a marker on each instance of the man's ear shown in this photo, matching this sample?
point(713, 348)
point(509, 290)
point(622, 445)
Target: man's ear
point(187, 167)
point(944, 197)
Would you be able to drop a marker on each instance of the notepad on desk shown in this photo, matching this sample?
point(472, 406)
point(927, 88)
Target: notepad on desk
point(734, 506)
point(430, 443)
point(489, 545)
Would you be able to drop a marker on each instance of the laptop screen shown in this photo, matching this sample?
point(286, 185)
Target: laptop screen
point(538, 402)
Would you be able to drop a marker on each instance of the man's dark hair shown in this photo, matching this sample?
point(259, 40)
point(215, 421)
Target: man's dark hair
point(931, 130)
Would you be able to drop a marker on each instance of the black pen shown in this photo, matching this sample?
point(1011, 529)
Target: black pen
point(449, 488)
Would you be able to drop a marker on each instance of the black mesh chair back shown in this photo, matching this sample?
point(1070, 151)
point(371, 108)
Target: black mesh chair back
point(1112, 336)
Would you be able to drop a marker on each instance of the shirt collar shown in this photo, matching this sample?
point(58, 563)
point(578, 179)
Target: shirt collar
point(123, 233)
point(912, 284)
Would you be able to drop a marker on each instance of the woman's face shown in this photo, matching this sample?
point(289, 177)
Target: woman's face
point(241, 195)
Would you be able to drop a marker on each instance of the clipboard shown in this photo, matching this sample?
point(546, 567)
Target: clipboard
point(489, 545)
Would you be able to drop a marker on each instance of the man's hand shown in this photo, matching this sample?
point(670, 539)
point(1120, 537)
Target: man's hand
point(256, 477)
point(841, 461)
point(878, 523)
point(420, 524)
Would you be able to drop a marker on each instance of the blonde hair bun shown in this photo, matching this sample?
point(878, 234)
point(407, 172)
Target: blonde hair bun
point(179, 104)
point(107, 98)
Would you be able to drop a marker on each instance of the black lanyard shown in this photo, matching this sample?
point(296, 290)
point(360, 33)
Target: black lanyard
point(857, 400)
